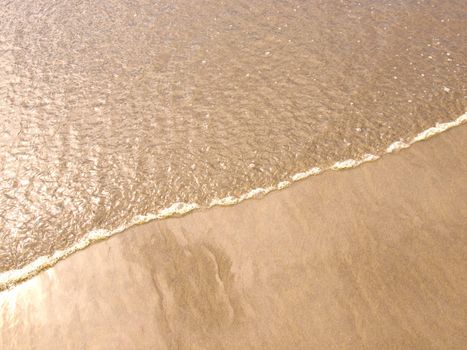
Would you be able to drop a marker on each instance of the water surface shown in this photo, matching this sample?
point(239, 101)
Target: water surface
point(110, 110)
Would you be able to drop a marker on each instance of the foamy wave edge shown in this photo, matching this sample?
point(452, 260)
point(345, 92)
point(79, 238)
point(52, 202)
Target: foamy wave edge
point(11, 278)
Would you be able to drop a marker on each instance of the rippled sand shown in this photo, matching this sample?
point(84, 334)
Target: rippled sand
point(114, 110)
point(368, 258)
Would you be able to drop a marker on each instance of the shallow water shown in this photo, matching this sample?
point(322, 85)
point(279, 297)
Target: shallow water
point(112, 110)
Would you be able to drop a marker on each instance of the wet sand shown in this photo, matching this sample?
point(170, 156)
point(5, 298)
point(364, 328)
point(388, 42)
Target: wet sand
point(373, 257)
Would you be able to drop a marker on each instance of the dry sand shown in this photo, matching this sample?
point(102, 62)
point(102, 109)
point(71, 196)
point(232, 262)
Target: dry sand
point(370, 258)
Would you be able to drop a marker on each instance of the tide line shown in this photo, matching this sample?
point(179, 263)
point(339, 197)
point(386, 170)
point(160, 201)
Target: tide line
point(10, 278)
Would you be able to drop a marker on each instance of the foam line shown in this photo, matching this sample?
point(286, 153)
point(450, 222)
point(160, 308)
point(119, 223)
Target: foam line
point(10, 278)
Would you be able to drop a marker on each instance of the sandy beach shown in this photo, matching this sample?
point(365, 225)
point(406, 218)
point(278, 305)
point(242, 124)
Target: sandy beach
point(373, 257)
point(172, 175)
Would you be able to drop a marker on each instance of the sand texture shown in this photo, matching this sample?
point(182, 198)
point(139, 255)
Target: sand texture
point(369, 258)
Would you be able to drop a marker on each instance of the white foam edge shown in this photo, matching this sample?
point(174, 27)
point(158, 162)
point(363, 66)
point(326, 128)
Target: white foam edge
point(12, 277)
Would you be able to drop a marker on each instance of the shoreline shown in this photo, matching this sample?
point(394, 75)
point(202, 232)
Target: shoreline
point(9, 279)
